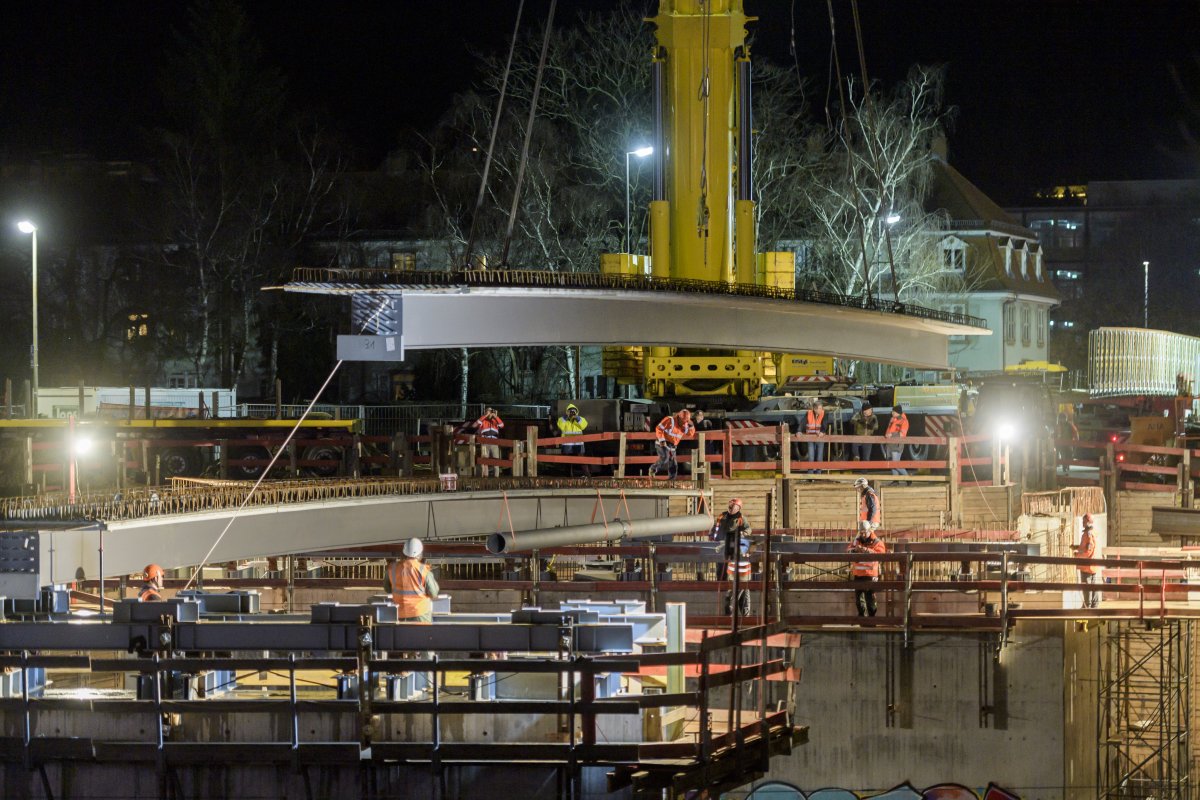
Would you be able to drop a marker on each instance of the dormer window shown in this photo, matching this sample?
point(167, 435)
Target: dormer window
point(1007, 246)
point(954, 254)
point(1024, 261)
point(1037, 264)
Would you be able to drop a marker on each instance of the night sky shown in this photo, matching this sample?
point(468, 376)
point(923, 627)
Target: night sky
point(1047, 92)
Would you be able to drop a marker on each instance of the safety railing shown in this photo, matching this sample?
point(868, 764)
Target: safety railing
point(1123, 465)
point(533, 278)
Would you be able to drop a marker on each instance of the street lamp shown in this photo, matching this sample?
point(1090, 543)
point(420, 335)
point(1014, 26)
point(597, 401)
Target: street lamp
point(25, 226)
point(641, 152)
point(1145, 294)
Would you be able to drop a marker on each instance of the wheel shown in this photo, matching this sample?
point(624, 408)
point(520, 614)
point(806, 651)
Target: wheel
point(247, 471)
point(323, 452)
point(918, 452)
point(178, 462)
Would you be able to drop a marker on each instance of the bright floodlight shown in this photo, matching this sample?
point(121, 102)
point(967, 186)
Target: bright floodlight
point(642, 152)
point(892, 218)
point(25, 226)
point(1005, 431)
point(83, 446)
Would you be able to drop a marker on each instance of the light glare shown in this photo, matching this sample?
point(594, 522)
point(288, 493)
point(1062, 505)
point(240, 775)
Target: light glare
point(25, 226)
point(642, 152)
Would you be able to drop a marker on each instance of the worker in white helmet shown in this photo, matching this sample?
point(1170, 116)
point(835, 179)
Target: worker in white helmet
point(412, 584)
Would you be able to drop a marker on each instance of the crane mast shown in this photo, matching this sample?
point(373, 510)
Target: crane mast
point(702, 208)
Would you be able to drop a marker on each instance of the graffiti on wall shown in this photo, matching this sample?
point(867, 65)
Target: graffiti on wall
point(780, 790)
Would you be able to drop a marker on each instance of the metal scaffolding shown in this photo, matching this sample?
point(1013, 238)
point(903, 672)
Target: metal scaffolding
point(1145, 677)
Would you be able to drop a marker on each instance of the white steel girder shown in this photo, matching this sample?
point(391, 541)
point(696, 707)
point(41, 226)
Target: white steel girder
point(182, 540)
point(516, 317)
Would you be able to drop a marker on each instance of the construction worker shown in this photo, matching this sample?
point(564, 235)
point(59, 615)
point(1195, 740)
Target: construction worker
point(865, 542)
point(573, 424)
point(489, 427)
point(412, 584)
point(897, 429)
point(869, 509)
point(732, 529)
point(1065, 431)
point(1087, 574)
point(152, 586)
point(865, 424)
point(670, 431)
point(815, 424)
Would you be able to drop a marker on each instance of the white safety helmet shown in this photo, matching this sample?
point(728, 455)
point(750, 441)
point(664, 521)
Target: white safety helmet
point(860, 483)
point(413, 548)
point(864, 527)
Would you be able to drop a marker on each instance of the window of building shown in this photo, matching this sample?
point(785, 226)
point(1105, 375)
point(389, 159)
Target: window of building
point(1041, 327)
point(1024, 261)
point(1068, 275)
point(954, 254)
point(1006, 247)
point(961, 309)
point(181, 380)
point(1066, 323)
point(1037, 264)
point(137, 327)
point(1025, 325)
point(1010, 324)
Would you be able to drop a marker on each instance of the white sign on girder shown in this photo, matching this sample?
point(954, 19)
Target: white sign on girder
point(370, 348)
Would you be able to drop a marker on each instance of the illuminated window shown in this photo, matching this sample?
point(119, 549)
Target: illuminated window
point(954, 255)
point(1067, 274)
point(137, 327)
point(1037, 264)
point(1025, 325)
point(1024, 261)
point(1066, 323)
point(1041, 327)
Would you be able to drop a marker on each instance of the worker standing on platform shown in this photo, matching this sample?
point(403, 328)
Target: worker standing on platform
point(732, 529)
point(573, 424)
point(869, 509)
point(151, 590)
point(897, 429)
point(866, 542)
point(489, 427)
point(1088, 574)
point(815, 424)
point(670, 431)
point(412, 584)
point(865, 424)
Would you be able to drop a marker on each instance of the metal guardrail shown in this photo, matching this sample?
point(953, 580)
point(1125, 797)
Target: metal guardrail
point(533, 278)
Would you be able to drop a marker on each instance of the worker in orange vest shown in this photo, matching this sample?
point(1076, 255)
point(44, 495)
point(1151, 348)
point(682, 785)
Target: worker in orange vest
point(869, 509)
point(412, 584)
point(151, 590)
point(865, 542)
point(670, 431)
point(1088, 573)
point(815, 424)
point(897, 429)
point(489, 427)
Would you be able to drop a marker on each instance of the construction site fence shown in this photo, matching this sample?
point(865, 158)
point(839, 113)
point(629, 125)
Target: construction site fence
point(1123, 465)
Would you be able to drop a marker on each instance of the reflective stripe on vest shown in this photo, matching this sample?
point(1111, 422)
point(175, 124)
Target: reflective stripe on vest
point(743, 570)
point(868, 569)
point(875, 518)
point(408, 578)
point(814, 422)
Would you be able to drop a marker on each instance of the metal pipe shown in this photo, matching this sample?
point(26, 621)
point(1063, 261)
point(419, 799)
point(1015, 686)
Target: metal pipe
point(500, 543)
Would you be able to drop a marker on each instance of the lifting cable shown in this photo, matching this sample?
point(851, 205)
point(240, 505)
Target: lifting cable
point(383, 305)
point(887, 231)
point(487, 163)
point(533, 101)
point(862, 240)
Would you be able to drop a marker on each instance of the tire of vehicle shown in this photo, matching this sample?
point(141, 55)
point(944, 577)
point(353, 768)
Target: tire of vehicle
point(322, 452)
point(918, 452)
point(246, 471)
point(178, 462)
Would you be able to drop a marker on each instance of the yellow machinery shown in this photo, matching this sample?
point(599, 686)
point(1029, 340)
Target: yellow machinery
point(702, 212)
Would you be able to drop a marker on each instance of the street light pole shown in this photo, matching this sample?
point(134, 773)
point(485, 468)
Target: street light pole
point(25, 226)
point(641, 152)
point(1145, 294)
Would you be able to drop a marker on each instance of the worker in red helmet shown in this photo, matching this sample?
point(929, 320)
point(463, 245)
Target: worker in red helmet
point(670, 431)
point(1088, 573)
point(151, 591)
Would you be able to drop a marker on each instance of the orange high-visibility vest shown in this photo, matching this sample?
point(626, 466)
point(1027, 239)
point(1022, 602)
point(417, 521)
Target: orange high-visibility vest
point(409, 577)
point(898, 426)
point(864, 512)
point(149, 593)
point(868, 569)
point(670, 432)
point(743, 570)
point(489, 428)
point(1087, 549)
point(814, 421)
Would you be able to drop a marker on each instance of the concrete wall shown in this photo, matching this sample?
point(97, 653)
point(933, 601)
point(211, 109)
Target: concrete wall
point(843, 696)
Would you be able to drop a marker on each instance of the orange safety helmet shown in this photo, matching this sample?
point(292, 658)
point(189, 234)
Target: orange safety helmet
point(737, 500)
point(684, 415)
point(154, 572)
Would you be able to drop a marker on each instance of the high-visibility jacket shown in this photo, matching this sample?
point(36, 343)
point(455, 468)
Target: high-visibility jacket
point(572, 427)
point(867, 569)
point(489, 428)
point(149, 593)
point(869, 507)
point(898, 425)
point(410, 588)
point(814, 421)
point(1087, 549)
point(743, 568)
point(671, 432)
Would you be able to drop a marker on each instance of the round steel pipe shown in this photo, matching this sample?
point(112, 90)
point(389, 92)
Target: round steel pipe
point(500, 543)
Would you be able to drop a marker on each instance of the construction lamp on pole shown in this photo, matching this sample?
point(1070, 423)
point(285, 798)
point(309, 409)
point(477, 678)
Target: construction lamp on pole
point(25, 226)
point(641, 152)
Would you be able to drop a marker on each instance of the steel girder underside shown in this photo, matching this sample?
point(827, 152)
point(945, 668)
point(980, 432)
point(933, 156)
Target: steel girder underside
point(184, 539)
point(516, 317)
